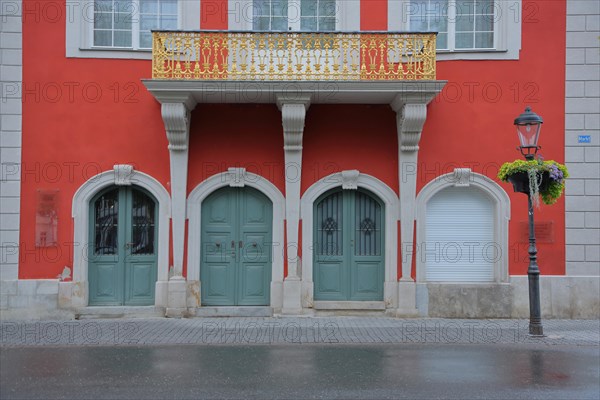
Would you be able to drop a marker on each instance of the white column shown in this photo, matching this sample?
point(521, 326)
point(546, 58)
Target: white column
point(293, 113)
point(176, 117)
point(410, 118)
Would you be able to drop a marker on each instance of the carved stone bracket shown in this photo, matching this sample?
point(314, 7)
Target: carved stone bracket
point(350, 179)
point(293, 114)
point(123, 174)
point(410, 120)
point(176, 117)
point(236, 177)
point(462, 177)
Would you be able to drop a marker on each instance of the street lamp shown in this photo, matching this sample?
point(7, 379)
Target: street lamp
point(528, 126)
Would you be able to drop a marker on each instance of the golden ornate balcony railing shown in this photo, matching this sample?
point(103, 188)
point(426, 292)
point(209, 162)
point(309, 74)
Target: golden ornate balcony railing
point(292, 56)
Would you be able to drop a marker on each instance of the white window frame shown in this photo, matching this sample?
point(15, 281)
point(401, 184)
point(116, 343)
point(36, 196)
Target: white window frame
point(135, 28)
point(241, 13)
point(80, 26)
point(507, 31)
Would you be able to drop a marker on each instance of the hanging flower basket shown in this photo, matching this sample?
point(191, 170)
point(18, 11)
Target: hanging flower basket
point(537, 178)
point(520, 182)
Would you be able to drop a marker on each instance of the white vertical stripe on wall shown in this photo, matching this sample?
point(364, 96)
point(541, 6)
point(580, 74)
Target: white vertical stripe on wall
point(11, 61)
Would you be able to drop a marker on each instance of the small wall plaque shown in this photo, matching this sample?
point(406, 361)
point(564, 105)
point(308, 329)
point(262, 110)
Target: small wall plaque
point(544, 231)
point(584, 139)
point(46, 218)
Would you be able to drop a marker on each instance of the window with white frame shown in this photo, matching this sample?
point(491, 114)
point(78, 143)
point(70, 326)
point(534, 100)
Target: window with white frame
point(128, 23)
point(294, 15)
point(461, 24)
point(122, 28)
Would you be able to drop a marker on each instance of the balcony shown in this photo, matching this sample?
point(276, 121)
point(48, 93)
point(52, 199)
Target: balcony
point(293, 56)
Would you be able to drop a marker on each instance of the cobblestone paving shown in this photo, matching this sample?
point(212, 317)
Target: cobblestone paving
point(293, 331)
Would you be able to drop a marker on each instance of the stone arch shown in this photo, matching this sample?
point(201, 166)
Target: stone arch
point(236, 177)
point(350, 180)
point(119, 176)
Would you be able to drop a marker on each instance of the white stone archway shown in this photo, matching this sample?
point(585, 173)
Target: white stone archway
point(121, 175)
point(351, 180)
point(234, 177)
point(464, 177)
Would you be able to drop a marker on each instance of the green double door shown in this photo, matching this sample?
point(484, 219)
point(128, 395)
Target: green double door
point(235, 266)
point(122, 255)
point(348, 246)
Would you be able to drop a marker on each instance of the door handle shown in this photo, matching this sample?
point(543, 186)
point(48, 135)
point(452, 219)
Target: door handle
point(241, 244)
point(129, 245)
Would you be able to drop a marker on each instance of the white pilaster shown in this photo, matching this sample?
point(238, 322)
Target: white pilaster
point(410, 118)
point(11, 106)
point(176, 117)
point(293, 113)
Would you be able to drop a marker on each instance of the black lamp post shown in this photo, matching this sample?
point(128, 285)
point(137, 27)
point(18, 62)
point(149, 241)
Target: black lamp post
point(528, 126)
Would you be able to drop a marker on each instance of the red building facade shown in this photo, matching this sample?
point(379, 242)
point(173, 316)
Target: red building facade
point(189, 189)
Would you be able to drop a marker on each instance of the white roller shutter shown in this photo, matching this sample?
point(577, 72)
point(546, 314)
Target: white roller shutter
point(460, 243)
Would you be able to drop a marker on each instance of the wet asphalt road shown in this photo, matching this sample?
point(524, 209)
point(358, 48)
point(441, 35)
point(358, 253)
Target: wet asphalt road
point(302, 371)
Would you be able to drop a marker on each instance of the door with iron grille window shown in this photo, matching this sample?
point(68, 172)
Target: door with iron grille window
point(235, 266)
point(348, 246)
point(122, 266)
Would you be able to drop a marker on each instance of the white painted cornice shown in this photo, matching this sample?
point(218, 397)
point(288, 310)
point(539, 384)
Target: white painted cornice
point(319, 92)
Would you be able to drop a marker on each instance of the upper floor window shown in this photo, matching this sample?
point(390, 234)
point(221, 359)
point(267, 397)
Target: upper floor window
point(294, 15)
point(122, 28)
point(461, 24)
point(467, 29)
point(128, 23)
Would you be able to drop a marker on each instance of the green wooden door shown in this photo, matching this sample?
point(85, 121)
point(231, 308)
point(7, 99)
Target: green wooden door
point(348, 248)
point(235, 265)
point(122, 251)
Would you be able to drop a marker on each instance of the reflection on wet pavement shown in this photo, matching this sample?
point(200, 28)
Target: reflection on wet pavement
point(307, 371)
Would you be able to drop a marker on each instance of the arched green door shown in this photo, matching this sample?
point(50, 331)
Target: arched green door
point(235, 265)
point(348, 248)
point(122, 266)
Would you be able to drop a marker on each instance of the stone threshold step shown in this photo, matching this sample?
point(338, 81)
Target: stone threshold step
point(349, 305)
point(232, 311)
point(96, 312)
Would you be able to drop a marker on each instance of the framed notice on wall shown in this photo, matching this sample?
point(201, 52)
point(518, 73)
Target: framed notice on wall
point(46, 218)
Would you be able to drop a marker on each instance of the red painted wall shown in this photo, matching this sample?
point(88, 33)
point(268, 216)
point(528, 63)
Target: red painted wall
point(471, 123)
point(214, 15)
point(236, 135)
point(343, 137)
point(82, 116)
point(373, 15)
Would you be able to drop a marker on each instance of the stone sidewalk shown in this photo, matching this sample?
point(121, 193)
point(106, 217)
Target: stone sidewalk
point(293, 331)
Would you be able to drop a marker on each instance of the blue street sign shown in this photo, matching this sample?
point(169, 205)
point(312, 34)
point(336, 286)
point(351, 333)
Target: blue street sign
point(584, 139)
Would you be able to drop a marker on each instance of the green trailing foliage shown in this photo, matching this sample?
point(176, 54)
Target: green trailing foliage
point(557, 173)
